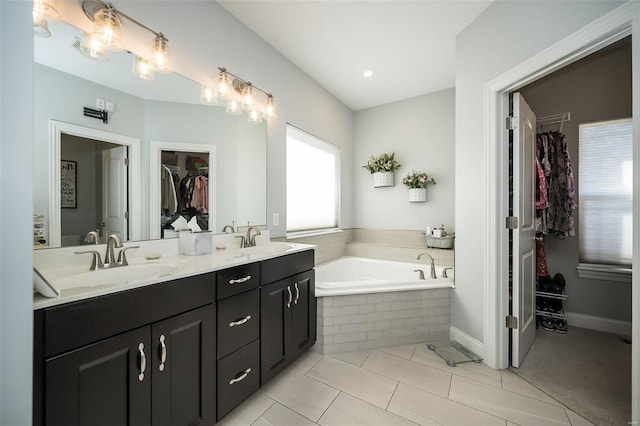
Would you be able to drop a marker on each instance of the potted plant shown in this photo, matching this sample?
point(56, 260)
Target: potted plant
point(417, 183)
point(382, 168)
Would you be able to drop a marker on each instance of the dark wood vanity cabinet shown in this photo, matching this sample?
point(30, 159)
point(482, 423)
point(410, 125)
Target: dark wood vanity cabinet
point(288, 313)
point(162, 372)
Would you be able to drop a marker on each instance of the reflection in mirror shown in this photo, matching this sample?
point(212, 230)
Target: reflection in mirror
point(92, 196)
point(166, 109)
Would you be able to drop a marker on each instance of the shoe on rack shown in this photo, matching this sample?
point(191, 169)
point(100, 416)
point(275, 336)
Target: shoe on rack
point(557, 284)
point(544, 284)
point(548, 324)
point(555, 306)
point(560, 325)
point(541, 304)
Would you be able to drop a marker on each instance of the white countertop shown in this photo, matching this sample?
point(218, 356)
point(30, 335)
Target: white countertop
point(48, 265)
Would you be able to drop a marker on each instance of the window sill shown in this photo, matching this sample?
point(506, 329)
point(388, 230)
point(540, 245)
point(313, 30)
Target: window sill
point(315, 233)
point(604, 272)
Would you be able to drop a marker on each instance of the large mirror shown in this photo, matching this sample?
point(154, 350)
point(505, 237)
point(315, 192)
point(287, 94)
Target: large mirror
point(155, 126)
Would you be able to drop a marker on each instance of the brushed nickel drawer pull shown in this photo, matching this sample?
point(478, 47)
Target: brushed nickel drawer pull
point(295, 302)
point(163, 353)
point(290, 299)
point(240, 321)
point(240, 377)
point(240, 280)
point(143, 361)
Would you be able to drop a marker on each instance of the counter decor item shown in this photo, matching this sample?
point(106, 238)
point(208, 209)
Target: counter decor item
point(439, 238)
point(417, 183)
point(382, 168)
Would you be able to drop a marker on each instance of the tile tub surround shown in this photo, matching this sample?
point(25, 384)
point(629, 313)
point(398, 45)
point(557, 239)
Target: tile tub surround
point(365, 321)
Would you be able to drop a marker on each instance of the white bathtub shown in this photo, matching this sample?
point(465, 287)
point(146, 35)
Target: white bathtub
point(357, 275)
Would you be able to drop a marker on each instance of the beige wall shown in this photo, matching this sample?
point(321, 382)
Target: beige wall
point(595, 88)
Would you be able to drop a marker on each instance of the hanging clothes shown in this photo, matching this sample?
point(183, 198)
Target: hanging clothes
point(169, 201)
point(555, 162)
point(200, 194)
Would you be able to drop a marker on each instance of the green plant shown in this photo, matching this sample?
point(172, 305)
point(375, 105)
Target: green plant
point(382, 163)
point(418, 180)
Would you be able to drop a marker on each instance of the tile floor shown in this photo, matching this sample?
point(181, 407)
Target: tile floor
point(403, 385)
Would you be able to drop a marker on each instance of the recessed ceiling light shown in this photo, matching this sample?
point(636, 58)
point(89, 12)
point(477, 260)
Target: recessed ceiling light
point(367, 73)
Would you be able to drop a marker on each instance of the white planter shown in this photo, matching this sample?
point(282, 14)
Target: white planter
point(417, 195)
point(382, 179)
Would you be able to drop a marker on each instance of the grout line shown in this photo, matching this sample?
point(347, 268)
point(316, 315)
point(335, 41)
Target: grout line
point(328, 406)
point(525, 380)
point(450, 384)
point(392, 394)
point(366, 359)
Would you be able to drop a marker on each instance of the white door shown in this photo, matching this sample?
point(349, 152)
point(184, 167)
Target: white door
point(524, 247)
point(114, 192)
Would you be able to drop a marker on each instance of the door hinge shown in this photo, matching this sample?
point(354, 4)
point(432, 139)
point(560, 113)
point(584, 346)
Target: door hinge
point(511, 322)
point(511, 222)
point(512, 123)
point(126, 215)
point(126, 161)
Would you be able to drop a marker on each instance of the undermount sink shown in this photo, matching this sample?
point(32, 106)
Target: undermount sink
point(116, 276)
point(267, 249)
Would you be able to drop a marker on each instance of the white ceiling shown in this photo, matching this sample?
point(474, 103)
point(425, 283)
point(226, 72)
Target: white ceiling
point(409, 45)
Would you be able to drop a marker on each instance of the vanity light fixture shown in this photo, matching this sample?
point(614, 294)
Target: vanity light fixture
point(241, 96)
point(43, 12)
point(93, 48)
point(107, 30)
point(207, 96)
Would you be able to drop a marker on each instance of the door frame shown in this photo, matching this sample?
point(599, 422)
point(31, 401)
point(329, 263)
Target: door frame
point(615, 25)
point(56, 129)
point(155, 150)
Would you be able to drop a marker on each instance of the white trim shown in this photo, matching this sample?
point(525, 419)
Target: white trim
point(592, 37)
point(155, 149)
point(604, 272)
point(467, 341)
point(591, 322)
point(56, 129)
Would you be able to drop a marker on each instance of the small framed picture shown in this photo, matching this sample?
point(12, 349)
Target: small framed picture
point(68, 176)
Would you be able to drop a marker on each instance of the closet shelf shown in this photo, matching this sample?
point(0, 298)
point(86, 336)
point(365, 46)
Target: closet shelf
point(552, 295)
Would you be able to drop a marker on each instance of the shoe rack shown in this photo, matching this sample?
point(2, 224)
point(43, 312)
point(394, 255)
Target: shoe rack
point(552, 296)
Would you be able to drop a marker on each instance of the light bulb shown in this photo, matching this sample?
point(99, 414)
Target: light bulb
point(270, 108)
point(93, 48)
point(107, 27)
point(143, 69)
point(223, 86)
point(233, 107)
point(248, 97)
point(255, 117)
point(207, 96)
point(161, 60)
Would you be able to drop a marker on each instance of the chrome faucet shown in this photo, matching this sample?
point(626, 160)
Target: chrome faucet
point(432, 275)
point(113, 241)
point(110, 260)
point(250, 240)
point(92, 237)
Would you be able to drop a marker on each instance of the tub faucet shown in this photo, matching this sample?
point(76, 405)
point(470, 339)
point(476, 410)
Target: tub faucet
point(228, 228)
point(432, 275)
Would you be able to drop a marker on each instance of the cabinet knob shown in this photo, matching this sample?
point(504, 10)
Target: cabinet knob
point(163, 353)
point(143, 361)
point(240, 377)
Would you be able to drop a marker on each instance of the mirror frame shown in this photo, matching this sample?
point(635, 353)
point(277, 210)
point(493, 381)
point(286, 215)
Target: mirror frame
point(155, 199)
point(56, 129)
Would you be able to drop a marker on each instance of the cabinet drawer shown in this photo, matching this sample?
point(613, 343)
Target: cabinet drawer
point(237, 280)
point(238, 321)
point(238, 377)
point(273, 270)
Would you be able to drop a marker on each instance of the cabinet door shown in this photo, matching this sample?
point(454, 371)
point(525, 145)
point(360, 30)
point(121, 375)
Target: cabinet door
point(275, 324)
point(183, 365)
point(303, 326)
point(106, 383)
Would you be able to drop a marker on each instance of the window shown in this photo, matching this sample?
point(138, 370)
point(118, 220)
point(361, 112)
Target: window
point(313, 167)
point(605, 193)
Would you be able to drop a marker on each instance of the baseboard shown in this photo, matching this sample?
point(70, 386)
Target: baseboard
point(467, 341)
point(599, 323)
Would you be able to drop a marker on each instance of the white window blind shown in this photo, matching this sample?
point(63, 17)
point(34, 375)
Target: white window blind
point(605, 192)
point(312, 182)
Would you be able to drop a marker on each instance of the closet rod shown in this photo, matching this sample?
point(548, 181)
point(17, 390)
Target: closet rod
point(551, 119)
